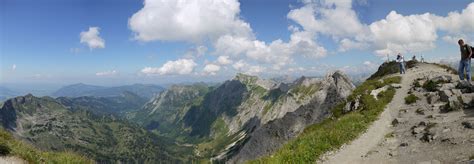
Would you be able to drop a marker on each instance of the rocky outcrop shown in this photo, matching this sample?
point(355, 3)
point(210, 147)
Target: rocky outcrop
point(267, 138)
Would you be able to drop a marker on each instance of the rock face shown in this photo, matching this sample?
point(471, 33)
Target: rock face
point(267, 138)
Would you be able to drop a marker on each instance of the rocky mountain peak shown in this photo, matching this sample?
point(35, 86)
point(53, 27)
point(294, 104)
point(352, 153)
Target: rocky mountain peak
point(339, 77)
point(245, 78)
point(255, 80)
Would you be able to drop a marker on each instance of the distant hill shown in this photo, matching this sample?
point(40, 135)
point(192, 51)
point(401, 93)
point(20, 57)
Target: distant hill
point(80, 89)
point(77, 90)
point(117, 105)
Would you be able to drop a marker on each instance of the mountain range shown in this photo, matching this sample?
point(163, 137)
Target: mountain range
point(198, 121)
point(241, 119)
point(80, 89)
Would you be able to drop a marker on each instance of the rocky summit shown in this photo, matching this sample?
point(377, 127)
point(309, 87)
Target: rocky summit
point(428, 121)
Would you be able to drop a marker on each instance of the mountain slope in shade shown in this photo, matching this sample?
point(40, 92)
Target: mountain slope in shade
point(166, 111)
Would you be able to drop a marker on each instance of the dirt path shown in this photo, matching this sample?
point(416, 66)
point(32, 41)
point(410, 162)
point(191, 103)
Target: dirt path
point(11, 160)
point(359, 148)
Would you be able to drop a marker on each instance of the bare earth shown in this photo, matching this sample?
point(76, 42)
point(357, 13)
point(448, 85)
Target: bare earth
point(406, 141)
point(11, 160)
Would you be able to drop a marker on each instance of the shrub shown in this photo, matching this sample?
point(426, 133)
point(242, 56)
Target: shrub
point(430, 86)
point(416, 84)
point(410, 99)
point(4, 150)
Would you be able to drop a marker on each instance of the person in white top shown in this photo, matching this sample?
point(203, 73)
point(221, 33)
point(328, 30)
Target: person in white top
point(401, 63)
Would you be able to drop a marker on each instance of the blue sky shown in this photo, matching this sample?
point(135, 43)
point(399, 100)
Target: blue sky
point(40, 40)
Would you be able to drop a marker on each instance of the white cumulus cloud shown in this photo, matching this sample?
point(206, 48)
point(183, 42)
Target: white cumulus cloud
point(218, 22)
point(395, 33)
point(398, 33)
point(240, 65)
point(177, 67)
point(13, 67)
point(223, 60)
point(107, 73)
point(334, 18)
point(457, 22)
point(188, 20)
point(211, 69)
point(92, 38)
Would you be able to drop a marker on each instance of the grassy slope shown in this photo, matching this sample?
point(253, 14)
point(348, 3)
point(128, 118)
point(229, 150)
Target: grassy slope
point(337, 130)
point(32, 155)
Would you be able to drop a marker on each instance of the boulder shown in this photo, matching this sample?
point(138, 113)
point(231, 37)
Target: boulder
point(467, 99)
point(447, 86)
point(444, 95)
point(352, 105)
point(347, 107)
point(428, 137)
point(465, 86)
point(397, 86)
point(442, 79)
point(467, 125)
point(418, 129)
point(432, 97)
point(456, 92)
point(453, 104)
point(395, 122)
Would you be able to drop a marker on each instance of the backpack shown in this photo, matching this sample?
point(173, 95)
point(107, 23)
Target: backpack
point(472, 50)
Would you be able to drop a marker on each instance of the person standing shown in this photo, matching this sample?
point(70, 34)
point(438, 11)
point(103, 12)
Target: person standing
point(465, 63)
point(401, 63)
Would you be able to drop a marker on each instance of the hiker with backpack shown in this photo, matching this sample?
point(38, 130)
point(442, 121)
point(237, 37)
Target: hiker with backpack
point(401, 63)
point(465, 63)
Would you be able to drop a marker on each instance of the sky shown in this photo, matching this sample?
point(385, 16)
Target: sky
point(118, 42)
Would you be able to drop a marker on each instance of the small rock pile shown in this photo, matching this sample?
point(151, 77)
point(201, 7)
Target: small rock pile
point(455, 94)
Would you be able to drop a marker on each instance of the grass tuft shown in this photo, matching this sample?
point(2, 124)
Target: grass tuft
point(430, 86)
point(411, 98)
